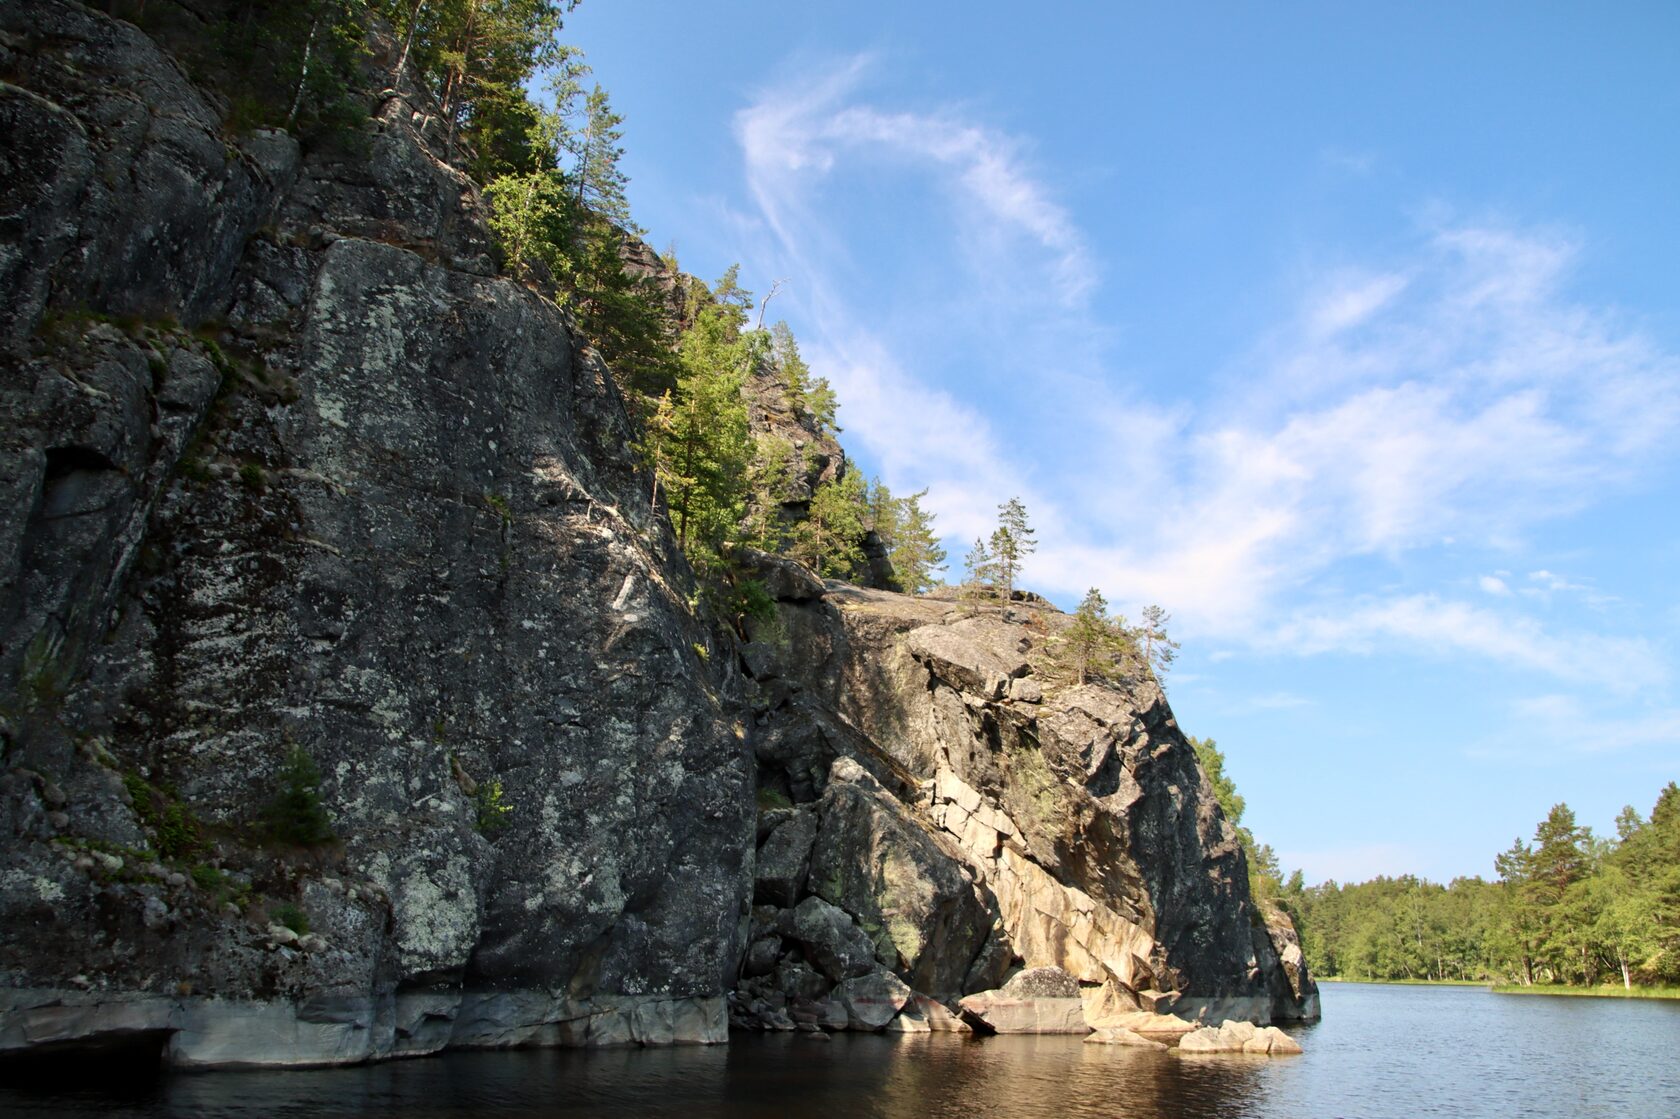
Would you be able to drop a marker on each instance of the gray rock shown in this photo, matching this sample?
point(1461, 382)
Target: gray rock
point(784, 860)
point(873, 1000)
point(910, 892)
point(762, 956)
point(798, 980)
point(830, 939)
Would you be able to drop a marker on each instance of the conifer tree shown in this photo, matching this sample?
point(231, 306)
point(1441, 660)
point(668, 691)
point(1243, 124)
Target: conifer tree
point(980, 571)
point(1159, 650)
point(827, 540)
point(596, 149)
point(1012, 541)
point(1093, 646)
point(914, 550)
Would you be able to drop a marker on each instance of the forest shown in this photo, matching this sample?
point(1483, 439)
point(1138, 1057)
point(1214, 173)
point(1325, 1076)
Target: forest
point(1566, 907)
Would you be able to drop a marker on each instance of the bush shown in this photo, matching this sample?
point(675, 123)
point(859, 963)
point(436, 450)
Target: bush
point(296, 814)
point(170, 821)
point(492, 810)
point(292, 916)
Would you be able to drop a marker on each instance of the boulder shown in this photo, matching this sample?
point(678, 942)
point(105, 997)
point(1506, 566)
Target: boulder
point(966, 664)
point(925, 1015)
point(1041, 983)
point(910, 892)
point(796, 979)
point(1239, 1037)
point(996, 1013)
point(785, 580)
point(762, 955)
point(784, 858)
point(871, 1001)
point(830, 939)
point(1273, 1042)
point(1119, 1035)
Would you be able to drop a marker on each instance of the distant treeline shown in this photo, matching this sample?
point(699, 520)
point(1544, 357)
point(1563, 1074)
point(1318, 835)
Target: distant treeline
point(1568, 907)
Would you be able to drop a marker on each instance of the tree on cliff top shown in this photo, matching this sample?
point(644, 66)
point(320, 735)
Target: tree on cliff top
point(912, 547)
point(1012, 542)
point(1093, 646)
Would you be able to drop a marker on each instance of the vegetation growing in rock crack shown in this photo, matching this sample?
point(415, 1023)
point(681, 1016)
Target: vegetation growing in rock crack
point(296, 815)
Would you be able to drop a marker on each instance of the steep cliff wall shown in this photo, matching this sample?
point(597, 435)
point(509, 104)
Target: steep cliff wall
point(1087, 835)
point(286, 467)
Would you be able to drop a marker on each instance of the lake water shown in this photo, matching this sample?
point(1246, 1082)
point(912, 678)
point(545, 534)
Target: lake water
point(1380, 1051)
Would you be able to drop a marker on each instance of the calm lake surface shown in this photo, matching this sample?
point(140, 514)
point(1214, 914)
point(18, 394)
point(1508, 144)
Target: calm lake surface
point(1380, 1051)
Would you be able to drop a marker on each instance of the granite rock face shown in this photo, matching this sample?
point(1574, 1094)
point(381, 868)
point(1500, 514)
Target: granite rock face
point(286, 466)
point(1091, 848)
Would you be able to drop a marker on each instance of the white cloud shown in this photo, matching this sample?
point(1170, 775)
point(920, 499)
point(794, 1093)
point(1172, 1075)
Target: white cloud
point(1456, 393)
point(1441, 626)
point(1562, 728)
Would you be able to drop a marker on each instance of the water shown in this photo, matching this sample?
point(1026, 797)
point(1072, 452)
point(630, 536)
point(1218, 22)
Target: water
point(1380, 1052)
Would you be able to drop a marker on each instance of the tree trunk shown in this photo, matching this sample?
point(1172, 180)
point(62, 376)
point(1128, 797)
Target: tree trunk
point(408, 41)
point(303, 79)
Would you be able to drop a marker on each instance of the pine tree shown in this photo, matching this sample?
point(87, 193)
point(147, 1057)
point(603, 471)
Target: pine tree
point(1012, 542)
point(827, 539)
point(1092, 646)
point(1159, 651)
point(980, 571)
point(914, 551)
point(595, 148)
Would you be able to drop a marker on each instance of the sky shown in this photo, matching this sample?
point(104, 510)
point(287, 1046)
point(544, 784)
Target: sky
point(1349, 333)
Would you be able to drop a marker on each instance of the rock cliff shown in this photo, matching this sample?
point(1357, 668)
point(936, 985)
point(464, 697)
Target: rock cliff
point(289, 469)
point(971, 818)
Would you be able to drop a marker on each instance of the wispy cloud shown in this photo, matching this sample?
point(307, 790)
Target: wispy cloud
point(1564, 728)
point(1455, 391)
point(1427, 622)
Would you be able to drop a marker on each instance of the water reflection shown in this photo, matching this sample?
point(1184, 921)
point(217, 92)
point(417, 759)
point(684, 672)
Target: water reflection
point(1381, 1052)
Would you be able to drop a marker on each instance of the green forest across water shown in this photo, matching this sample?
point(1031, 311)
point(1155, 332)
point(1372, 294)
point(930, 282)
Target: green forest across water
point(1567, 908)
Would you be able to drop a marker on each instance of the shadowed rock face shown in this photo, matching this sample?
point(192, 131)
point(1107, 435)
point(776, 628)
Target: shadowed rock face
point(379, 507)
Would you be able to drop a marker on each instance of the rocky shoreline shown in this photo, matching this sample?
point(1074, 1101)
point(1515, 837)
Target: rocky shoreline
point(291, 471)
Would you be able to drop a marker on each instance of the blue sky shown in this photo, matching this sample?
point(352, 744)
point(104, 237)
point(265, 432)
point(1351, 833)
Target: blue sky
point(1349, 333)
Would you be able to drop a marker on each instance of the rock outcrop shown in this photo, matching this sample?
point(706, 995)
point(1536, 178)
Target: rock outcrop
point(1001, 820)
point(302, 497)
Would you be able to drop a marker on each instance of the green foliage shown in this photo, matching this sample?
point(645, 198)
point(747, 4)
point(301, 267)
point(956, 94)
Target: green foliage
point(697, 437)
point(492, 810)
point(1158, 650)
point(827, 540)
point(770, 798)
point(175, 830)
point(292, 917)
point(907, 531)
point(980, 572)
point(1012, 542)
point(1264, 875)
point(532, 220)
point(251, 476)
point(1566, 909)
point(1093, 646)
point(296, 815)
point(810, 397)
